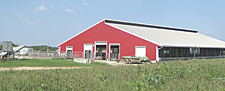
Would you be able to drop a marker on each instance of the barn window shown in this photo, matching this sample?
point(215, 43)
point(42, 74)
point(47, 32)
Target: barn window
point(69, 47)
point(166, 51)
point(195, 50)
point(223, 51)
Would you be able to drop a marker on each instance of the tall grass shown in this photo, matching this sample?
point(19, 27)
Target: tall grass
point(178, 75)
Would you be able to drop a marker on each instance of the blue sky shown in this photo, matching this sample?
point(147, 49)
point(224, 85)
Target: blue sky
point(41, 22)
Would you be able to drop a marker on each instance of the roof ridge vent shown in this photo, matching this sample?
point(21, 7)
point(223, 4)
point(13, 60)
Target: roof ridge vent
point(148, 25)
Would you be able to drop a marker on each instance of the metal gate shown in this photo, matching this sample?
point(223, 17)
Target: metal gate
point(69, 53)
point(88, 54)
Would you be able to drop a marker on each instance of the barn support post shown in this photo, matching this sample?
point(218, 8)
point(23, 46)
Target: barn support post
point(18, 55)
point(157, 53)
point(195, 50)
point(194, 54)
point(34, 54)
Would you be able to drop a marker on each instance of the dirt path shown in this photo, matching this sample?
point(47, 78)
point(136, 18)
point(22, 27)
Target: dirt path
point(38, 68)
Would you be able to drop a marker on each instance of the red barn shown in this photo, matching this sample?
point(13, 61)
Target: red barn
point(110, 39)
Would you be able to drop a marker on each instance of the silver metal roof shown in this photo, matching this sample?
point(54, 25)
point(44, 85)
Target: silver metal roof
point(168, 37)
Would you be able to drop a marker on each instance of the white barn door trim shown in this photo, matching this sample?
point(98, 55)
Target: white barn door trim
point(87, 47)
point(140, 51)
point(70, 49)
point(113, 44)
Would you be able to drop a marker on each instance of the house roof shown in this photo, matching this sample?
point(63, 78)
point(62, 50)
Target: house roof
point(167, 36)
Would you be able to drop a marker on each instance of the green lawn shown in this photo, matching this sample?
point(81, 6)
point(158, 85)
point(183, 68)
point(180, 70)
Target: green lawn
point(43, 63)
point(190, 75)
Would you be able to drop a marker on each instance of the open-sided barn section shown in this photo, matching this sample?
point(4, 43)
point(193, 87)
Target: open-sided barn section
point(111, 39)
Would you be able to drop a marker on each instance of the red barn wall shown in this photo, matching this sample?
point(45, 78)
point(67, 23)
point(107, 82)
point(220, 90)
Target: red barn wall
point(104, 32)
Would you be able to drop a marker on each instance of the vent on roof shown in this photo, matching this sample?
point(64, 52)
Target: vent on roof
point(151, 26)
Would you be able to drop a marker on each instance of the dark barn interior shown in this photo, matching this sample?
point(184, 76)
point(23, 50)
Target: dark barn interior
point(171, 53)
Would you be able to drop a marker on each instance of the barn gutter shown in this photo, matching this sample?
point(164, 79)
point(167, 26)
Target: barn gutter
point(160, 47)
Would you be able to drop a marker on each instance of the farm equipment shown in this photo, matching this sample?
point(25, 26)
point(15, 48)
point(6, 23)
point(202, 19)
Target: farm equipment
point(132, 59)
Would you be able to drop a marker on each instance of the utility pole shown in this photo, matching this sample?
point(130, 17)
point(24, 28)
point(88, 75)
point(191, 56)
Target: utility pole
point(47, 50)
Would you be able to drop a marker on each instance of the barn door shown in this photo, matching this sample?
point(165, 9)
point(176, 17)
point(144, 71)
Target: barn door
point(101, 50)
point(88, 50)
point(140, 51)
point(114, 51)
point(69, 51)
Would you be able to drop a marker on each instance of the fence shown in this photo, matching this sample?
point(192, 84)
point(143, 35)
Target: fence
point(53, 54)
point(81, 57)
point(40, 54)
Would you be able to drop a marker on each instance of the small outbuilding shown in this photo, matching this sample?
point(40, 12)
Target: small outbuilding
point(112, 39)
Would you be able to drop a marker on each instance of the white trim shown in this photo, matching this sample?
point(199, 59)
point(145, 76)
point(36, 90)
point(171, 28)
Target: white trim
point(157, 53)
point(69, 48)
point(140, 46)
point(133, 34)
point(81, 32)
point(100, 42)
point(116, 44)
point(88, 44)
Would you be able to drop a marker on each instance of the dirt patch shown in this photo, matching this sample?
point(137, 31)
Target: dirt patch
point(39, 68)
point(114, 63)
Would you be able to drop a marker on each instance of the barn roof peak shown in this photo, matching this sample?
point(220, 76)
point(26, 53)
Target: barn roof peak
point(148, 25)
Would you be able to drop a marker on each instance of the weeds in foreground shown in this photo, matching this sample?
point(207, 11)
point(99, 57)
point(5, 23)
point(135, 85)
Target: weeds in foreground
point(163, 76)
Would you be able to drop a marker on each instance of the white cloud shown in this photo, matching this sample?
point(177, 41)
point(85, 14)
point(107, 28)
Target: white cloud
point(41, 8)
point(51, 6)
point(21, 16)
point(84, 3)
point(69, 10)
point(26, 19)
point(78, 8)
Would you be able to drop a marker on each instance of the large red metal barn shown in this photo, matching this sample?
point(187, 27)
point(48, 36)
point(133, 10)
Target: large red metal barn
point(111, 39)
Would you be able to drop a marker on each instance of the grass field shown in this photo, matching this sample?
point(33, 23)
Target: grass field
point(44, 63)
point(177, 75)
